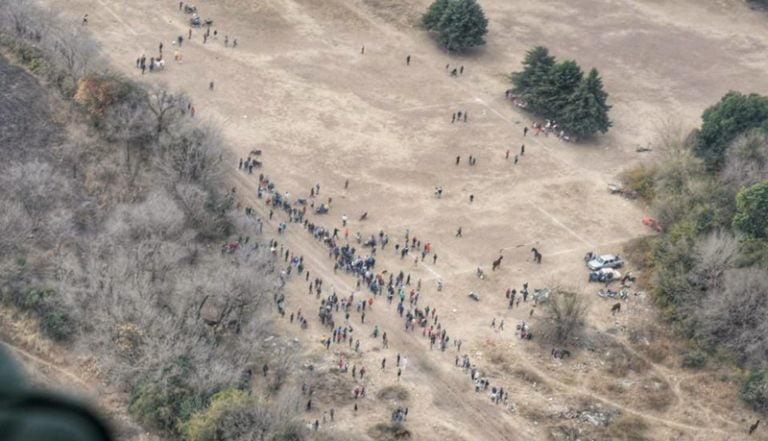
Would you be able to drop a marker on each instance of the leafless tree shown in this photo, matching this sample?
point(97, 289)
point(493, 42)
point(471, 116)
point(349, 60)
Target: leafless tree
point(76, 49)
point(36, 186)
point(565, 311)
point(746, 160)
point(167, 107)
point(734, 316)
point(191, 151)
point(717, 252)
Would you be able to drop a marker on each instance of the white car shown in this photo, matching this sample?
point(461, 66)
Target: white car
point(605, 261)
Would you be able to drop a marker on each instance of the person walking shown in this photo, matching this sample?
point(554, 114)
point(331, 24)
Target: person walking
point(522, 150)
point(458, 232)
point(210, 86)
point(408, 60)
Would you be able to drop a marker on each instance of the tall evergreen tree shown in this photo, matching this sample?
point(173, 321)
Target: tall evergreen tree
point(595, 86)
point(583, 114)
point(462, 25)
point(552, 95)
point(586, 109)
point(537, 67)
point(560, 91)
point(434, 13)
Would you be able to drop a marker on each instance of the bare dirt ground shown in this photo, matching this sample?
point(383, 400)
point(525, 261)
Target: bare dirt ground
point(298, 87)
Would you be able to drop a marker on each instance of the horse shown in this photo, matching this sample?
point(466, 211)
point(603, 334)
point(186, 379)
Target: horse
point(496, 263)
point(256, 152)
point(616, 308)
point(536, 255)
point(364, 216)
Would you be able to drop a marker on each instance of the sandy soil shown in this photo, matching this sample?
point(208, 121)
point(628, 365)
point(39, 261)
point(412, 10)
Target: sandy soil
point(298, 87)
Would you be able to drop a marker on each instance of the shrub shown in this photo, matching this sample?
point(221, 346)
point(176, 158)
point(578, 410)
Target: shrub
point(55, 320)
point(166, 399)
point(641, 180)
point(32, 299)
point(695, 359)
point(57, 324)
point(754, 391)
point(752, 210)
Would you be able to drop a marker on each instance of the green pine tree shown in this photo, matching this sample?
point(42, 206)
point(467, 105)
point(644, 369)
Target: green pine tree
point(462, 25)
point(537, 67)
point(551, 96)
point(586, 110)
point(583, 115)
point(434, 13)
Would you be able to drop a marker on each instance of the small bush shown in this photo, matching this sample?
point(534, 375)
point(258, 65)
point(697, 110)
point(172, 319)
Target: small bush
point(628, 428)
point(754, 391)
point(695, 359)
point(55, 321)
point(166, 400)
point(640, 179)
point(57, 324)
point(393, 393)
point(32, 299)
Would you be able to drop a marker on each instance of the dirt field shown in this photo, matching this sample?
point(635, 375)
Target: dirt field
point(298, 87)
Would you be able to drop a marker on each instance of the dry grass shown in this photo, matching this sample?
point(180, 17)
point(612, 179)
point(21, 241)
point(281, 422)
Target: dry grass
point(398, 393)
point(626, 428)
point(331, 387)
point(528, 376)
point(655, 393)
point(388, 432)
point(620, 362)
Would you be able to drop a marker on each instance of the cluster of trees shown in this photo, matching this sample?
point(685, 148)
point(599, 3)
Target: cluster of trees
point(457, 24)
point(710, 267)
point(111, 229)
point(559, 91)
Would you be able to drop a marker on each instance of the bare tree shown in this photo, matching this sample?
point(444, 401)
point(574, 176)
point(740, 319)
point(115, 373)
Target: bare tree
point(671, 137)
point(746, 160)
point(717, 252)
point(734, 316)
point(36, 186)
point(167, 107)
point(74, 47)
point(565, 311)
point(191, 151)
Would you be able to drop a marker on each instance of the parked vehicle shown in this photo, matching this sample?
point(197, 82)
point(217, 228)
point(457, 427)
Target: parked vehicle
point(604, 275)
point(605, 261)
